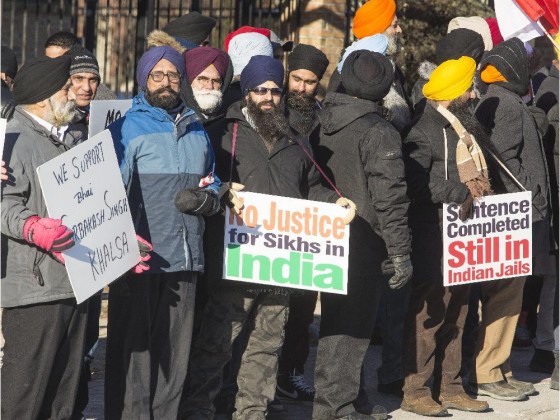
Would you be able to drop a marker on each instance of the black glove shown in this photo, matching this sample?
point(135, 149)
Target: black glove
point(403, 271)
point(199, 202)
point(467, 208)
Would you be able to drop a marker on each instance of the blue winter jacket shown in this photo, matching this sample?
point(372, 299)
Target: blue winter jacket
point(158, 157)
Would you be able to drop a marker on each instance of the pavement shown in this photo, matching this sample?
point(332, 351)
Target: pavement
point(542, 406)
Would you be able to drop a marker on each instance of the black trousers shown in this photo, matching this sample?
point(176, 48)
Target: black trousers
point(296, 341)
point(43, 354)
point(148, 344)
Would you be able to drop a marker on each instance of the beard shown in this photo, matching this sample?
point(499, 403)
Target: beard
point(159, 100)
point(61, 113)
point(208, 100)
point(464, 113)
point(304, 104)
point(269, 124)
point(395, 44)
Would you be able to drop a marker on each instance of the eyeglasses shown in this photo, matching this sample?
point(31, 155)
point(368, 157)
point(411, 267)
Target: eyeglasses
point(203, 80)
point(157, 76)
point(260, 91)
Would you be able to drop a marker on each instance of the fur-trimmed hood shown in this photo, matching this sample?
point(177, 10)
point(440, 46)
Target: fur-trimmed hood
point(157, 38)
point(425, 69)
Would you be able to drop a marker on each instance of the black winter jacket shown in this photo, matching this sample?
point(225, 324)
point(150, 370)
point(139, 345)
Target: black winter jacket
point(361, 152)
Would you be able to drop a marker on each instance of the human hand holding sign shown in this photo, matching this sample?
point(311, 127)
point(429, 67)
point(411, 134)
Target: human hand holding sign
point(228, 196)
point(349, 204)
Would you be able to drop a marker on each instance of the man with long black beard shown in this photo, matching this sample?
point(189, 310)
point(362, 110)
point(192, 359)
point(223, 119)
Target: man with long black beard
point(444, 164)
point(167, 165)
point(267, 158)
point(43, 326)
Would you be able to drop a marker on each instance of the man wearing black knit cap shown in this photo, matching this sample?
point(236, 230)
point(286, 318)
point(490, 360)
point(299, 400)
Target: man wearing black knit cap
point(363, 152)
point(43, 327)
point(269, 159)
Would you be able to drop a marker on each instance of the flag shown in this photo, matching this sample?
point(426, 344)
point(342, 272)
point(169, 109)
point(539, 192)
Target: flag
point(544, 10)
point(514, 22)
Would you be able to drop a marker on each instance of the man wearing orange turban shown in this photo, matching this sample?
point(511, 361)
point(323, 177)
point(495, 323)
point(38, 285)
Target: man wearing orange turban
point(443, 165)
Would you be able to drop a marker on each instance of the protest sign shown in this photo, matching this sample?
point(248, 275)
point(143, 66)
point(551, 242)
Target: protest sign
point(288, 242)
point(103, 113)
point(3, 123)
point(495, 244)
point(84, 188)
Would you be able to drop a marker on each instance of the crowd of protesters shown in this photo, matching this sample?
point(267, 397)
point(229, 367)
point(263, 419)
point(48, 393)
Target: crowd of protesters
point(184, 342)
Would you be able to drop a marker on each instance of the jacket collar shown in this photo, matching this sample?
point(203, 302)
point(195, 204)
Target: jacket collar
point(340, 109)
point(25, 118)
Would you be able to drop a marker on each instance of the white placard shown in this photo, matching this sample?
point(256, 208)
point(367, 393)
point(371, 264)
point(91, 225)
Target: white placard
point(288, 242)
point(84, 188)
point(495, 244)
point(3, 123)
point(103, 113)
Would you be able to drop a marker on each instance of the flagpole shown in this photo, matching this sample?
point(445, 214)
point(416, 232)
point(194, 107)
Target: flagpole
point(548, 35)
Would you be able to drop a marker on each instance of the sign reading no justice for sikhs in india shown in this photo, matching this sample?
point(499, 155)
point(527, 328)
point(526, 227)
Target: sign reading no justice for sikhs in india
point(495, 244)
point(84, 188)
point(288, 242)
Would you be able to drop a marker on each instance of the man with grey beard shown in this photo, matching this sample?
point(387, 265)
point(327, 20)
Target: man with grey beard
point(43, 327)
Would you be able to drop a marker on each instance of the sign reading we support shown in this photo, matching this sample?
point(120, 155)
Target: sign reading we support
point(103, 113)
point(84, 188)
point(280, 241)
point(495, 244)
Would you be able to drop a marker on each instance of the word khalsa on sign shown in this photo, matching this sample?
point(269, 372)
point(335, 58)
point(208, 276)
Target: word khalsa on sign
point(495, 244)
point(279, 241)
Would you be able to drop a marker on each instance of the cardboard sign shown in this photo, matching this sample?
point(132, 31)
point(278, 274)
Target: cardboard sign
point(84, 188)
point(288, 242)
point(495, 244)
point(103, 113)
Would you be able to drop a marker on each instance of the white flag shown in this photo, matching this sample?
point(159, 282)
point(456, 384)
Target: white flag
point(513, 22)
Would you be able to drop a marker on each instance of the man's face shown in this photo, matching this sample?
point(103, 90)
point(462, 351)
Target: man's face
point(394, 28)
point(162, 87)
point(53, 51)
point(209, 79)
point(466, 97)
point(84, 87)
point(60, 110)
point(265, 98)
point(394, 35)
point(303, 81)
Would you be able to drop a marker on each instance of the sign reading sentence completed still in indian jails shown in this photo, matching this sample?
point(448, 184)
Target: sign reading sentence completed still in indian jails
point(84, 188)
point(495, 244)
point(288, 242)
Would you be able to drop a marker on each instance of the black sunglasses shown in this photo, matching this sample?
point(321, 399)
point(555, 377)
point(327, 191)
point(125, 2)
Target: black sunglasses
point(260, 91)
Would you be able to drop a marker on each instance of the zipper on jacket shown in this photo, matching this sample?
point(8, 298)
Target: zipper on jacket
point(36, 272)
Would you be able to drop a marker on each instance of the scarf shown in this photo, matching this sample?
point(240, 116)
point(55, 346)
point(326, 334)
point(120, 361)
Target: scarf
point(471, 165)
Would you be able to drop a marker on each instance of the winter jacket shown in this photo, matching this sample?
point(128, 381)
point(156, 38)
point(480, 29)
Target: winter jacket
point(285, 171)
point(158, 157)
point(428, 188)
point(29, 274)
point(361, 152)
point(7, 103)
point(517, 142)
point(547, 95)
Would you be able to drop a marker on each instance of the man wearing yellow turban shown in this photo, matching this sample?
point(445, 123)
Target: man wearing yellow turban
point(443, 165)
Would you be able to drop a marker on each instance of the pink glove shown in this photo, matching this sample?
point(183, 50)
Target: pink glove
point(145, 249)
point(48, 234)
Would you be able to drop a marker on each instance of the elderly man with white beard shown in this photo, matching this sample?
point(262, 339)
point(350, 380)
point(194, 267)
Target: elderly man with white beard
point(42, 325)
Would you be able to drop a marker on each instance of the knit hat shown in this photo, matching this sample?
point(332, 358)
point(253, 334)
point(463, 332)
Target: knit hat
point(474, 23)
point(245, 30)
point(373, 17)
point(458, 43)
point(494, 31)
point(375, 43)
point(192, 27)
point(83, 61)
point(198, 59)
point(40, 78)
point(259, 70)
point(9, 62)
point(510, 59)
point(151, 57)
point(309, 58)
point(244, 46)
point(367, 75)
point(450, 79)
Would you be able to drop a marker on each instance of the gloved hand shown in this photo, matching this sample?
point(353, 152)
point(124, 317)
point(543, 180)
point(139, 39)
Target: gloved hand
point(467, 208)
point(48, 234)
point(349, 204)
point(145, 249)
point(195, 201)
point(228, 196)
point(403, 271)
